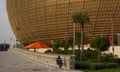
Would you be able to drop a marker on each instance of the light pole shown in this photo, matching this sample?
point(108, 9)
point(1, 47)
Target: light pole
point(73, 56)
point(16, 43)
point(17, 30)
point(112, 31)
point(10, 42)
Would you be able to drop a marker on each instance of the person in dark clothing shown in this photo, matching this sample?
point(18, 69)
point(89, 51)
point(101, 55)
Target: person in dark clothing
point(59, 61)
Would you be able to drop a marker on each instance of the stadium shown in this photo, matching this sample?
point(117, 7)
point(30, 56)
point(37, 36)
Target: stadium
point(46, 20)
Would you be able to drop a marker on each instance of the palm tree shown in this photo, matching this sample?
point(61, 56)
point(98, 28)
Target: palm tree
point(81, 18)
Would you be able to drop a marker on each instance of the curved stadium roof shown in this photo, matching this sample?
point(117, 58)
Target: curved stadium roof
point(47, 20)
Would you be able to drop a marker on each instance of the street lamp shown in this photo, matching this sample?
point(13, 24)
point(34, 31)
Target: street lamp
point(17, 30)
point(73, 56)
point(10, 42)
point(112, 31)
point(16, 43)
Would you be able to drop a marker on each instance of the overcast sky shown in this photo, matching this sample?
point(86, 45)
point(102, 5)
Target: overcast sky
point(6, 33)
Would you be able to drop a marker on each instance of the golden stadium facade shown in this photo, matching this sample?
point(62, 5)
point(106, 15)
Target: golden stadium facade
point(47, 20)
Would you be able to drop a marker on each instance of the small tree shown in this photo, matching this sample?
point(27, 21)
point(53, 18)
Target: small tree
point(68, 43)
point(100, 44)
point(55, 46)
point(62, 43)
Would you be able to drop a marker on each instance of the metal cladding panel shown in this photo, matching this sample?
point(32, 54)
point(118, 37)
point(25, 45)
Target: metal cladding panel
point(47, 20)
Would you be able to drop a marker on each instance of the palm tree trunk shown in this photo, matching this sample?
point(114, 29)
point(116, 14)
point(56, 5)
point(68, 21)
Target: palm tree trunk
point(82, 47)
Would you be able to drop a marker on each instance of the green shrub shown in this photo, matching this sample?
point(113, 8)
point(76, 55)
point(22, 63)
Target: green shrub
point(59, 51)
point(97, 66)
point(110, 59)
point(82, 65)
point(67, 52)
point(77, 54)
point(90, 54)
point(111, 65)
point(48, 51)
point(94, 66)
point(106, 59)
point(116, 60)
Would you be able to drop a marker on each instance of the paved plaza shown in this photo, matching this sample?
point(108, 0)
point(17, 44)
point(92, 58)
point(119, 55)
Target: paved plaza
point(10, 62)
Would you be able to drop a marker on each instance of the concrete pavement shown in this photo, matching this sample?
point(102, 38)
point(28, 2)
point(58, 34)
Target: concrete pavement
point(10, 62)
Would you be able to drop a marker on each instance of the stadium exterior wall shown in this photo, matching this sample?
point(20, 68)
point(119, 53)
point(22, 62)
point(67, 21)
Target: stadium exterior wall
point(47, 20)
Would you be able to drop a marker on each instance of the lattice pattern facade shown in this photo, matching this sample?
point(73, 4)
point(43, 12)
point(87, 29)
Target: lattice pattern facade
point(47, 20)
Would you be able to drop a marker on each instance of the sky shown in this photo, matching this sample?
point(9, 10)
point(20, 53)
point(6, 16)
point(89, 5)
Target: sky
point(6, 34)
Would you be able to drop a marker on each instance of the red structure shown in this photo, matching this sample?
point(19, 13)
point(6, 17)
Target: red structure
point(37, 44)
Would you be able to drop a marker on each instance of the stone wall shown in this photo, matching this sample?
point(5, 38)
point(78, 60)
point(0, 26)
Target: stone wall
point(49, 59)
